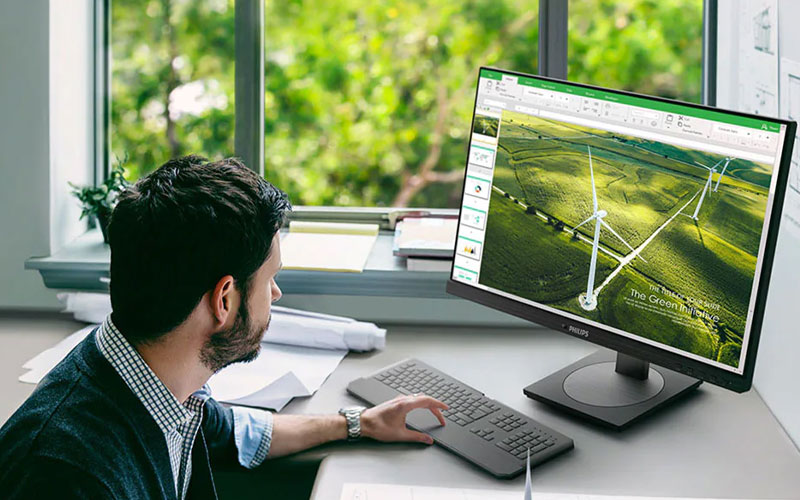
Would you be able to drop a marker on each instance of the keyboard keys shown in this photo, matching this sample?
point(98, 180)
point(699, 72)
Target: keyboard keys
point(519, 443)
point(466, 406)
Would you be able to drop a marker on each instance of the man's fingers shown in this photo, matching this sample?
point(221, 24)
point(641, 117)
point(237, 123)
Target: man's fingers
point(438, 414)
point(415, 436)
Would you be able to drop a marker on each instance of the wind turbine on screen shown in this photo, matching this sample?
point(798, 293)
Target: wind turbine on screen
point(727, 161)
point(711, 172)
point(589, 301)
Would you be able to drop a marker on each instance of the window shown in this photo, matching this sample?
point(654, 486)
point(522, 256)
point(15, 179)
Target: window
point(367, 102)
point(172, 85)
point(648, 46)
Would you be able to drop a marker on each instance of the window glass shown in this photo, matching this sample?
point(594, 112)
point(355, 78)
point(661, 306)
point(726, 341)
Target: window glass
point(172, 64)
point(648, 46)
point(369, 102)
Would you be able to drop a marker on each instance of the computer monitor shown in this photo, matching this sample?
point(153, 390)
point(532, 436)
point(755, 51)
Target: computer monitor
point(641, 224)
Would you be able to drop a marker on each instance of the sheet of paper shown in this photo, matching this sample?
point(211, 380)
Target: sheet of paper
point(276, 395)
point(326, 252)
point(303, 380)
point(790, 109)
point(361, 491)
point(758, 57)
point(310, 366)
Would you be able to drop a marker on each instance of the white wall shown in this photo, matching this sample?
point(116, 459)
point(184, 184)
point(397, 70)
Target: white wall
point(778, 364)
point(71, 114)
point(24, 151)
point(45, 104)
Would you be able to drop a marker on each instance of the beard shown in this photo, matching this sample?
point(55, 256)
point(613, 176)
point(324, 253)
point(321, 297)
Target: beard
point(241, 343)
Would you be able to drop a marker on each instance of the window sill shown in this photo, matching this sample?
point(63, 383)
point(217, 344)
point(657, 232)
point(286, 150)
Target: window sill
point(84, 265)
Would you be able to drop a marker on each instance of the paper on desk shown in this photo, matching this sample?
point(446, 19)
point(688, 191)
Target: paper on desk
point(279, 371)
point(360, 491)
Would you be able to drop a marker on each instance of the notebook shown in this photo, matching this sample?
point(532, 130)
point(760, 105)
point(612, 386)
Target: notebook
point(328, 246)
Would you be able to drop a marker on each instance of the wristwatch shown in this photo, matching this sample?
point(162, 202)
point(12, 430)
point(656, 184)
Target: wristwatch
point(353, 416)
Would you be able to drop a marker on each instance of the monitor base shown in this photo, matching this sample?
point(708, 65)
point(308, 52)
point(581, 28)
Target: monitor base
point(614, 392)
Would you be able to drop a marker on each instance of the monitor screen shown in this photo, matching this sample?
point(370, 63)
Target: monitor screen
point(643, 217)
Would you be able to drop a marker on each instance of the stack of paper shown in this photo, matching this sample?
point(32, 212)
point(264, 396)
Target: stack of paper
point(298, 353)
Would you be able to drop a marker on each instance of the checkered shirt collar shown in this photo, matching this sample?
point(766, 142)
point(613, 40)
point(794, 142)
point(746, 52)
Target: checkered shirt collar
point(162, 405)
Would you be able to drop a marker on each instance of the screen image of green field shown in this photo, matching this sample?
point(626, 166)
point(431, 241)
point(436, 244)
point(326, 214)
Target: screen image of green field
point(678, 232)
point(485, 125)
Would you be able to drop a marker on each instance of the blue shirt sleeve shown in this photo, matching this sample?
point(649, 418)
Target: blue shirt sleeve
point(252, 431)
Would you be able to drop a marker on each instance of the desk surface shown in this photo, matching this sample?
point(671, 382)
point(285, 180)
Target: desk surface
point(712, 444)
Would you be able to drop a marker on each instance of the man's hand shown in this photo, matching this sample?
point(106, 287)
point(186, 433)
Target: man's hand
point(387, 421)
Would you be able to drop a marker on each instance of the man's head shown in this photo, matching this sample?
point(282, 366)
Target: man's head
point(197, 235)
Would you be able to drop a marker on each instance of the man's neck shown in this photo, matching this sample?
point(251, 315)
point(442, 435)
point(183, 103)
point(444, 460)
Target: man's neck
point(176, 362)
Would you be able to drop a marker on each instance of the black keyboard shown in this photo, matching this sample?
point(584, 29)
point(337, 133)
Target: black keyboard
point(486, 432)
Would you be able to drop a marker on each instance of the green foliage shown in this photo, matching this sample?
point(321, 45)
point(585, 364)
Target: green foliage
point(646, 46)
point(367, 102)
point(100, 200)
point(172, 80)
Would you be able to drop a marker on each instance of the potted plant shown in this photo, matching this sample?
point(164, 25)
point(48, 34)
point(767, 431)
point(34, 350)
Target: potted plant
point(98, 201)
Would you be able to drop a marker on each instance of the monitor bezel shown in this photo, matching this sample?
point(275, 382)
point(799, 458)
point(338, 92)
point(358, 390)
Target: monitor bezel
point(639, 349)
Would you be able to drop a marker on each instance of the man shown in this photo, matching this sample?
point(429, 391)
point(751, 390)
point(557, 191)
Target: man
point(194, 255)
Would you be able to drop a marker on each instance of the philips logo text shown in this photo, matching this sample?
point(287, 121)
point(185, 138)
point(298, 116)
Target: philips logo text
point(579, 331)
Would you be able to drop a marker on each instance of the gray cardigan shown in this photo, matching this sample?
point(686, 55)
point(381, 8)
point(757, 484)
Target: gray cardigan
point(84, 434)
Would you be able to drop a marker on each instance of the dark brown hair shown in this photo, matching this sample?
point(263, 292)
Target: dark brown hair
point(180, 229)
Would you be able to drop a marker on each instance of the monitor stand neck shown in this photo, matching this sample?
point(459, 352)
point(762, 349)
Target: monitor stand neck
point(632, 367)
point(612, 389)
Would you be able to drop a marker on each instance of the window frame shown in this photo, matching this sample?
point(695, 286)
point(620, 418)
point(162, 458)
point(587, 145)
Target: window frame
point(102, 90)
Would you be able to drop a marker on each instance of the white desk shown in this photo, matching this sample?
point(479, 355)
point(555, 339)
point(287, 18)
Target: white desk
point(712, 444)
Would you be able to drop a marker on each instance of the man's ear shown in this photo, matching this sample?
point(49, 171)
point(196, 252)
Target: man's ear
point(224, 300)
